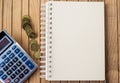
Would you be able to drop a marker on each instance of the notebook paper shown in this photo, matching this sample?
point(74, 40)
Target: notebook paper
point(75, 41)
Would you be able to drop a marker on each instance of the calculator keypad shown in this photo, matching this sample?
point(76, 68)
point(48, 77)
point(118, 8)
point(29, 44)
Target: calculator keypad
point(15, 65)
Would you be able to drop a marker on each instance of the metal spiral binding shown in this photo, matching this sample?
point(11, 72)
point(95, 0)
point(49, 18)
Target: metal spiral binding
point(42, 43)
point(46, 62)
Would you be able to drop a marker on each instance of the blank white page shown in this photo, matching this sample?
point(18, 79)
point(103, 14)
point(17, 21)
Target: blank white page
point(77, 41)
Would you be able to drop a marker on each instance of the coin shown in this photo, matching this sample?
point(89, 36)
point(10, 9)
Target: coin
point(37, 54)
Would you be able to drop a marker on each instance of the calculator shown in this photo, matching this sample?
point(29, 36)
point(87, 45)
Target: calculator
point(15, 64)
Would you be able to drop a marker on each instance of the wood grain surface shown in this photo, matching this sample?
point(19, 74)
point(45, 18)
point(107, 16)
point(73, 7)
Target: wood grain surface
point(11, 12)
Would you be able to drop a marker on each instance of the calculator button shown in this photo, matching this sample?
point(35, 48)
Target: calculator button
point(21, 75)
point(18, 63)
point(1, 72)
point(5, 68)
point(6, 60)
point(29, 64)
point(22, 67)
point(17, 50)
point(15, 59)
point(4, 56)
point(14, 47)
point(13, 76)
point(14, 68)
point(11, 55)
point(2, 64)
point(9, 72)
point(17, 72)
point(16, 80)
point(20, 54)
point(24, 58)
point(4, 77)
point(8, 52)
point(26, 71)
point(10, 64)
point(8, 80)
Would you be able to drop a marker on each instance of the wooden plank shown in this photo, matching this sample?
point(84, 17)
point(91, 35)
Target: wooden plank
point(118, 5)
point(1, 9)
point(16, 28)
point(34, 12)
point(111, 42)
point(24, 36)
point(7, 17)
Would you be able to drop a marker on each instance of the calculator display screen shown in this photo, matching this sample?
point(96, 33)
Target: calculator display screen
point(3, 43)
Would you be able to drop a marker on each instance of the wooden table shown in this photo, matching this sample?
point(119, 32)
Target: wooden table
point(11, 12)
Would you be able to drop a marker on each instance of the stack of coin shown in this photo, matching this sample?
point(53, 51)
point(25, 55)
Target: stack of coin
point(27, 26)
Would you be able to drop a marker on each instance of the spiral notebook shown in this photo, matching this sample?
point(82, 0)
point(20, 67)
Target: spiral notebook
point(72, 41)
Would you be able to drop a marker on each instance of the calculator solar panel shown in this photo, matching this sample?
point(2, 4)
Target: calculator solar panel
point(15, 64)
